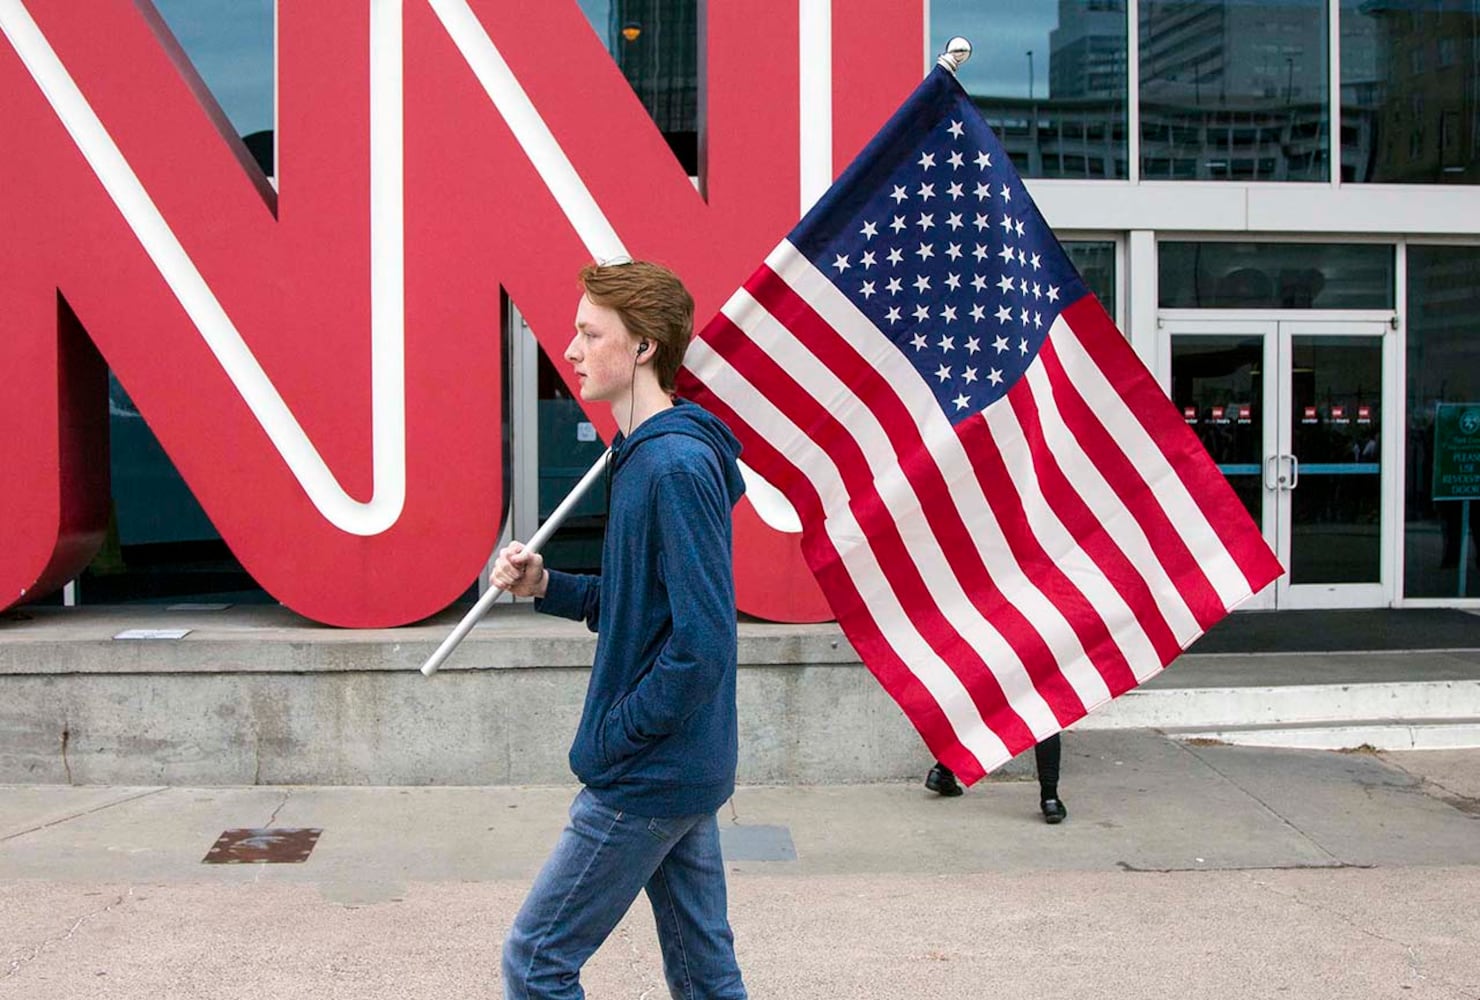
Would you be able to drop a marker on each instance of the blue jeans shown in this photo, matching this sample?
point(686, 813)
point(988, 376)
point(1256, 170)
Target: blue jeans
point(603, 859)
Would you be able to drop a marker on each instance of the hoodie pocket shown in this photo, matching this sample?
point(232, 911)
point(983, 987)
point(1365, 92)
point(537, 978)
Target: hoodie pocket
point(612, 742)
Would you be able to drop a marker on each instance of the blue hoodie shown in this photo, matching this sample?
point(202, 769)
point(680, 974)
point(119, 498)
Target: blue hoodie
point(657, 735)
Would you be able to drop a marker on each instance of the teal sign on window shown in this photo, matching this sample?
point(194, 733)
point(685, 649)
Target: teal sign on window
point(1457, 451)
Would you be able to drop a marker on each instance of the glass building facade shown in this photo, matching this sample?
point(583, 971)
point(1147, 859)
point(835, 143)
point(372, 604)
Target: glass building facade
point(1273, 197)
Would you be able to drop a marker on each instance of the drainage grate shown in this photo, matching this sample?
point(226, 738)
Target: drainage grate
point(273, 846)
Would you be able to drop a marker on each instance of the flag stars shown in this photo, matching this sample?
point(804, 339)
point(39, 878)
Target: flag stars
point(956, 192)
point(896, 255)
point(893, 286)
point(922, 313)
point(898, 224)
point(1038, 321)
point(922, 283)
point(947, 344)
point(978, 313)
point(943, 372)
point(841, 263)
point(926, 161)
point(1023, 346)
point(866, 290)
point(899, 194)
point(980, 253)
point(983, 160)
point(954, 251)
point(973, 344)
point(953, 281)
point(918, 341)
point(962, 401)
point(968, 376)
point(1053, 293)
point(956, 129)
point(867, 260)
point(1023, 285)
point(981, 222)
point(1005, 285)
point(1037, 291)
point(1036, 261)
point(956, 160)
point(892, 315)
point(1017, 227)
point(1006, 254)
point(1007, 224)
point(926, 221)
point(995, 376)
point(1004, 315)
point(983, 192)
point(978, 283)
point(926, 251)
point(1000, 344)
point(1024, 318)
point(869, 230)
point(926, 192)
point(948, 314)
point(954, 220)
point(1006, 193)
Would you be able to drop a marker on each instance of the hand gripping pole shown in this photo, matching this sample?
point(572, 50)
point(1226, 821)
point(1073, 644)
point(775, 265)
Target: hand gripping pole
point(552, 523)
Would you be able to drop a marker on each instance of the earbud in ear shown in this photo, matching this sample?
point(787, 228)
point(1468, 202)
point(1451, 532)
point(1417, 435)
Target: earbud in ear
point(642, 347)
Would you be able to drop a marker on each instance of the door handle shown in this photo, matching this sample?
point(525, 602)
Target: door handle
point(1294, 472)
point(1284, 479)
point(1271, 466)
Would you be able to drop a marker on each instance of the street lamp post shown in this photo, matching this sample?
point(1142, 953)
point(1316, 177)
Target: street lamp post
point(1030, 74)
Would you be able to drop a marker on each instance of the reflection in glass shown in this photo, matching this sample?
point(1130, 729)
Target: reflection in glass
point(656, 45)
point(1409, 76)
point(1234, 90)
point(1050, 78)
point(1095, 262)
point(1443, 367)
point(1336, 436)
point(1219, 275)
point(230, 44)
point(1218, 385)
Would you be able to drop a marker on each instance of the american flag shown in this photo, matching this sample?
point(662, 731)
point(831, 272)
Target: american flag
point(1010, 520)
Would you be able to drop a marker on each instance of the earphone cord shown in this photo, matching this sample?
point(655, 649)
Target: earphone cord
point(632, 388)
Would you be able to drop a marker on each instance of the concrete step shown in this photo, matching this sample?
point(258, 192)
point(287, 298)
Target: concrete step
point(1352, 734)
point(1201, 709)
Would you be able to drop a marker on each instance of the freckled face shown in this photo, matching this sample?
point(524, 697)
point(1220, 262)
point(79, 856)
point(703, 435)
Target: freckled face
point(602, 353)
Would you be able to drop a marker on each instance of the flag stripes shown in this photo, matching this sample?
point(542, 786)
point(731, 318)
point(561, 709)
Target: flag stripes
point(1009, 519)
point(881, 631)
point(1069, 615)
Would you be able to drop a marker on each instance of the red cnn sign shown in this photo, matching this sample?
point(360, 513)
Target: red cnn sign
point(322, 360)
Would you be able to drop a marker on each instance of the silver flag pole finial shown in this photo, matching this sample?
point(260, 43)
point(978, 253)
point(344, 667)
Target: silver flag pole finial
point(958, 50)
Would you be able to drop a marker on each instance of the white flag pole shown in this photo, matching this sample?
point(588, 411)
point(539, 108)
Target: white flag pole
point(552, 523)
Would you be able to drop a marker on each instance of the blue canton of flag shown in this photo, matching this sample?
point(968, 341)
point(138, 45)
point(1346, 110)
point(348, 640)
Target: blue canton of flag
point(1010, 520)
point(950, 258)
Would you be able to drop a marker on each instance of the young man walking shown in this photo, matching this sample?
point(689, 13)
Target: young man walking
point(656, 745)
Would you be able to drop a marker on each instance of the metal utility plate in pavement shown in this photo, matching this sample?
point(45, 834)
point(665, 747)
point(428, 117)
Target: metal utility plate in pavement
point(277, 846)
point(757, 843)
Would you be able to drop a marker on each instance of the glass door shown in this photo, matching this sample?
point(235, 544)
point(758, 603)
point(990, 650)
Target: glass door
point(1293, 414)
point(1337, 453)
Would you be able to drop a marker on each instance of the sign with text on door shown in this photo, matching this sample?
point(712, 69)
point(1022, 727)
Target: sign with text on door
point(1457, 451)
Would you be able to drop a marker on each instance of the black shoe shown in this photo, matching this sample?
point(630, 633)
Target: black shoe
point(1053, 811)
point(942, 781)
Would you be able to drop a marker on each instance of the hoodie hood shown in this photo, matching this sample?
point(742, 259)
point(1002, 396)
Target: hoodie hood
point(694, 421)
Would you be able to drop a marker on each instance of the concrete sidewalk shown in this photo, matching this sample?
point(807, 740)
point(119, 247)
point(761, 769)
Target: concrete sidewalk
point(1184, 870)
